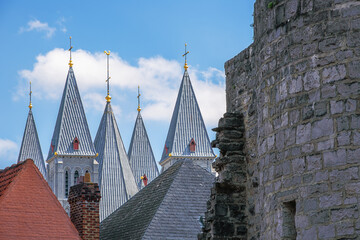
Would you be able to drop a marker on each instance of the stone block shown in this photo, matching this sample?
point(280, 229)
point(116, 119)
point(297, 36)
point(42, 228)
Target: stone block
point(328, 91)
point(313, 162)
point(356, 138)
point(321, 176)
point(311, 80)
point(342, 123)
point(303, 133)
point(331, 200)
point(326, 232)
point(333, 74)
point(350, 105)
point(355, 121)
point(353, 155)
point(344, 228)
point(340, 214)
point(343, 138)
point(322, 128)
point(329, 44)
point(298, 165)
point(320, 109)
point(336, 107)
point(335, 158)
point(310, 204)
point(353, 68)
point(344, 175)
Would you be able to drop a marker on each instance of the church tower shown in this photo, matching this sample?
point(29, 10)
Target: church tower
point(116, 181)
point(140, 153)
point(30, 145)
point(72, 152)
point(187, 137)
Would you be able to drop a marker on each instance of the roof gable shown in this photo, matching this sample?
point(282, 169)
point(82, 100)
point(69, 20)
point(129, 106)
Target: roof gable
point(187, 123)
point(30, 145)
point(114, 165)
point(28, 205)
point(71, 122)
point(168, 207)
point(141, 157)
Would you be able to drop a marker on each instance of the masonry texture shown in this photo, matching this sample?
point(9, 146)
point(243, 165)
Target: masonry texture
point(84, 201)
point(297, 87)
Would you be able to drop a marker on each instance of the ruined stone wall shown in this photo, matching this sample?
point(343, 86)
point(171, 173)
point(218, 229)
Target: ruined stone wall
point(298, 87)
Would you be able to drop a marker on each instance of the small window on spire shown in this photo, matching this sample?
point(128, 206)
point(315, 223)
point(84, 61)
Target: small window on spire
point(192, 145)
point(76, 143)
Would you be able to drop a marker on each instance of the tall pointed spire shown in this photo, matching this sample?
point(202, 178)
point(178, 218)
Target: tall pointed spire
point(30, 145)
point(141, 157)
point(187, 136)
point(71, 123)
point(116, 180)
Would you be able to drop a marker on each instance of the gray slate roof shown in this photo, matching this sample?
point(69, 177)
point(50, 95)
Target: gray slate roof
point(71, 122)
point(30, 145)
point(168, 208)
point(141, 157)
point(116, 181)
point(187, 123)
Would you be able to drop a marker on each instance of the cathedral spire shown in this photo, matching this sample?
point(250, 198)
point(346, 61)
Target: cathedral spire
point(70, 62)
point(185, 55)
point(30, 145)
point(187, 136)
point(141, 157)
point(108, 97)
point(30, 104)
point(138, 97)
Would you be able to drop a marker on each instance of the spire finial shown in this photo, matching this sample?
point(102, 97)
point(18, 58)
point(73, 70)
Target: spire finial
point(138, 97)
point(108, 98)
point(184, 55)
point(70, 62)
point(30, 105)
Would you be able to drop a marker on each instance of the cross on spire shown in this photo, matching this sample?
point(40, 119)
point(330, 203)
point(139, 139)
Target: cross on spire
point(108, 98)
point(30, 105)
point(185, 55)
point(138, 97)
point(70, 62)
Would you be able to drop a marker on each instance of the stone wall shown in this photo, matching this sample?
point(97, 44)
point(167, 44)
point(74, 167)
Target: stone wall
point(298, 87)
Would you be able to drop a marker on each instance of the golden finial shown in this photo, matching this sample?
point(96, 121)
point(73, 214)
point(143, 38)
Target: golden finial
point(184, 55)
point(139, 108)
point(30, 105)
point(108, 98)
point(70, 62)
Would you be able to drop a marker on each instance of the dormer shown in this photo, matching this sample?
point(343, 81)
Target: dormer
point(76, 143)
point(192, 145)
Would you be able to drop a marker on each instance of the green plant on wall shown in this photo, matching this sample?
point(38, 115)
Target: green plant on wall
point(272, 4)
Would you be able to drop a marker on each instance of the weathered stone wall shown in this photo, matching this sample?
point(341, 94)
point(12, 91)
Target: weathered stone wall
point(298, 87)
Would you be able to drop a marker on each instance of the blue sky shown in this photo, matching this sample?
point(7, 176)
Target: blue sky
point(146, 40)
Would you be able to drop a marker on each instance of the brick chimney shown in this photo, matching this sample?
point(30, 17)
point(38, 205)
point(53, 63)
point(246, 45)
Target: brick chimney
point(84, 201)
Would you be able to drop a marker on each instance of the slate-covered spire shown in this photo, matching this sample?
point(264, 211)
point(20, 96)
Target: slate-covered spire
point(187, 136)
point(71, 124)
point(116, 180)
point(30, 145)
point(141, 157)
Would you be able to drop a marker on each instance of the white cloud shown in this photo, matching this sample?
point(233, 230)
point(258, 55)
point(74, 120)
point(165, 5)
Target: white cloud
point(8, 151)
point(159, 79)
point(36, 25)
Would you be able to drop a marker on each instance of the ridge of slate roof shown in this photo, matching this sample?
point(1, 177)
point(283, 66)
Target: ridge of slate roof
point(71, 122)
point(141, 156)
point(28, 207)
point(116, 180)
point(187, 123)
point(30, 145)
point(167, 208)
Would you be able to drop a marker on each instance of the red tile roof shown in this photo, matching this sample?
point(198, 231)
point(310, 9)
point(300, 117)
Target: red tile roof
point(28, 207)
